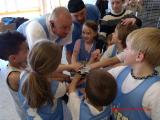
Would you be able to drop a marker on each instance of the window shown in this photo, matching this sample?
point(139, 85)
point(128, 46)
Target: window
point(20, 8)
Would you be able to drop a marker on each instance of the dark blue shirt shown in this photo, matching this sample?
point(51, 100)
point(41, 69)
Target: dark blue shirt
point(92, 14)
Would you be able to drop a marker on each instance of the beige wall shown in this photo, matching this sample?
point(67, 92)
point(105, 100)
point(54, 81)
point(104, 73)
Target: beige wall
point(48, 5)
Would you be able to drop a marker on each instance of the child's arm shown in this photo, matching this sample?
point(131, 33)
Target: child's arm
point(75, 52)
point(119, 64)
point(13, 80)
point(105, 62)
point(74, 101)
point(69, 67)
point(73, 84)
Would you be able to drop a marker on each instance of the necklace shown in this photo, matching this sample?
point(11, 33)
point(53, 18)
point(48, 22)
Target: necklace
point(144, 77)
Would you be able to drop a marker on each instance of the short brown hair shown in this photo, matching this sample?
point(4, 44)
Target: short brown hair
point(147, 40)
point(101, 87)
point(123, 31)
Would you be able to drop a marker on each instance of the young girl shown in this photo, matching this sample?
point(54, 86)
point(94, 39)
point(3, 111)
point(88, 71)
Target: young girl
point(139, 84)
point(114, 54)
point(85, 46)
point(38, 92)
point(14, 49)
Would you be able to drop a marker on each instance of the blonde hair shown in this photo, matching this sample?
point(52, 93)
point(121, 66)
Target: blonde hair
point(147, 41)
point(44, 59)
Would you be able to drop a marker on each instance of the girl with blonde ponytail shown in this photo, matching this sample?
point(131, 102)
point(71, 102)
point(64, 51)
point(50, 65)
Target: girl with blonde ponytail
point(38, 93)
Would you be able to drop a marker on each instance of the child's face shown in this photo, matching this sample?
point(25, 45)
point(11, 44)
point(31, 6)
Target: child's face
point(88, 34)
point(21, 56)
point(116, 5)
point(115, 38)
point(130, 54)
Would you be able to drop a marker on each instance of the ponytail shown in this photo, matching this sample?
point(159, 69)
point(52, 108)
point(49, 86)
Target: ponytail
point(43, 60)
point(37, 90)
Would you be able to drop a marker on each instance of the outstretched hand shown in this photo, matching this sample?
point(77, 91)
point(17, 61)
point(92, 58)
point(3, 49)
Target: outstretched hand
point(128, 21)
point(76, 66)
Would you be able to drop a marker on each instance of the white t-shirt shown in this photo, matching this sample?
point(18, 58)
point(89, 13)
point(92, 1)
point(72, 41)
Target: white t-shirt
point(151, 97)
point(35, 31)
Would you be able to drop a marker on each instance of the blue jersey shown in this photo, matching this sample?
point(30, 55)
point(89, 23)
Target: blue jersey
point(130, 104)
point(83, 54)
point(85, 113)
point(47, 111)
point(41, 20)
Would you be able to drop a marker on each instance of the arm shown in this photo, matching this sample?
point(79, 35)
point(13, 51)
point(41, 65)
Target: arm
point(105, 62)
point(13, 80)
point(75, 52)
point(96, 54)
point(74, 100)
point(68, 56)
point(74, 83)
point(69, 67)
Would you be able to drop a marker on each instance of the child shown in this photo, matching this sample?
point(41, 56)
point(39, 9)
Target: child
point(14, 49)
point(85, 46)
point(118, 40)
point(115, 51)
point(38, 92)
point(109, 40)
point(100, 91)
point(138, 92)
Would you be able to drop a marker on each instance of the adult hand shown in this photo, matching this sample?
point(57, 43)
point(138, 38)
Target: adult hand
point(128, 21)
